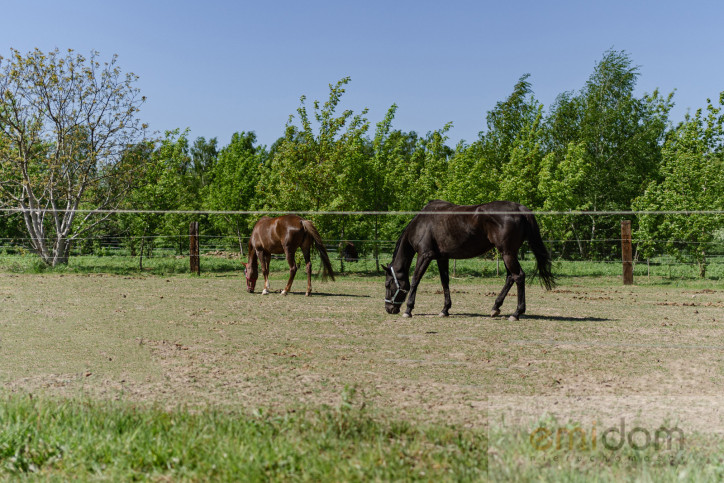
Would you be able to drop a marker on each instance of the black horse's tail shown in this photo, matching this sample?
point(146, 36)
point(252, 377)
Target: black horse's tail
point(326, 264)
point(542, 257)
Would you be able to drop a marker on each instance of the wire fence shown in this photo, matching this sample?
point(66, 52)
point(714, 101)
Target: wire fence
point(366, 254)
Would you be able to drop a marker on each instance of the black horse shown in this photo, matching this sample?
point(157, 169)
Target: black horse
point(439, 233)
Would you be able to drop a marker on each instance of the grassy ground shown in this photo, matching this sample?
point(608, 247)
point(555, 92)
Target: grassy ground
point(658, 270)
point(453, 398)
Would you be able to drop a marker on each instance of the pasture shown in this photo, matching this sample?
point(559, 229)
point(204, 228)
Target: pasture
point(590, 354)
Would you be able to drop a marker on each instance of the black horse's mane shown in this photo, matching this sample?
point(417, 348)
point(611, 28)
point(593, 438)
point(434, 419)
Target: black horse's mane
point(399, 240)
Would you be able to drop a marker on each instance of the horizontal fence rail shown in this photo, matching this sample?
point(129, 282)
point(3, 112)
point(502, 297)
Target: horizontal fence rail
point(371, 252)
point(371, 213)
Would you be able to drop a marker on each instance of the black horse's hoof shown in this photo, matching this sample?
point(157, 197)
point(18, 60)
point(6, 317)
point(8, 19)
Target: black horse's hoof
point(513, 318)
point(407, 315)
point(495, 313)
point(444, 314)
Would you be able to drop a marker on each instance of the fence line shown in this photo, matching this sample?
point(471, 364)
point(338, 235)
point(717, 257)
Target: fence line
point(332, 240)
point(384, 213)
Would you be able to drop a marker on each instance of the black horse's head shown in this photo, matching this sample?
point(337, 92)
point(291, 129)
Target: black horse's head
point(251, 274)
point(396, 287)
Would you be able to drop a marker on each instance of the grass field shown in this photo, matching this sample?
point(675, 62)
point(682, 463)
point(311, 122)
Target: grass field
point(154, 367)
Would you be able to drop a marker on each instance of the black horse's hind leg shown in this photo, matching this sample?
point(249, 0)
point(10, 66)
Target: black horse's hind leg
point(503, 293)
point(420, 269)
point(443, 264)
point(517, 275)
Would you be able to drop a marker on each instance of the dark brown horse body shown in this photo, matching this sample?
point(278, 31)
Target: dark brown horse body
point(284, 234)
point(439, 233)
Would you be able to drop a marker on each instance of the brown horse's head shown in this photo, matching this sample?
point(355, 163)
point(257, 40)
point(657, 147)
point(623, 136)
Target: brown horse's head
point(251, 275)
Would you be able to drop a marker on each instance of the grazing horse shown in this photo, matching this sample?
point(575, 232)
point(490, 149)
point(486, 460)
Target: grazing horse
point(439, 233)
point(284, 234)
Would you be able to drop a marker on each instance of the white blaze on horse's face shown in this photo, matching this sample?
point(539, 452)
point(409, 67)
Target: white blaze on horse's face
point(250, 281)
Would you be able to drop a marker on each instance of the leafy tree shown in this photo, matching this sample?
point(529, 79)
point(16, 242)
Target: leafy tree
point(563, 188)
point(691, 178)
point(477, 171)
point(423, 178)
point(203, 158)
point(66, 123)
point(622, 137)
point(233, 187)
point(520, 174)
point(164, 186)
point(321, 169)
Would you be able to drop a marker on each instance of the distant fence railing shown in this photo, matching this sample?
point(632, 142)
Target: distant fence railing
point(365, 250)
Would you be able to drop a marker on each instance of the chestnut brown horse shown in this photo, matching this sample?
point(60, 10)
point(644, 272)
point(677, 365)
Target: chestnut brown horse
point(284, 234)
point(439, 233)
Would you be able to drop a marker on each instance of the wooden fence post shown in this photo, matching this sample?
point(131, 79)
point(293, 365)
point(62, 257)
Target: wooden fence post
point(194, 248)
point(626, 252)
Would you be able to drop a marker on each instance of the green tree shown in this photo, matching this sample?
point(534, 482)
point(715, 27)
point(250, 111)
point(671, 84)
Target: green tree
point(622, 137)
point(233, 187)
point(691, 179)
point(482, 171)
point(519, 177)
point(203, 158)
point(324, 168)
point(164, 186)
point(562, 186)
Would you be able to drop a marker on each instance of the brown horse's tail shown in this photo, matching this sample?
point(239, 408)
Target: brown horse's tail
point(326, 264)
point(544, 264)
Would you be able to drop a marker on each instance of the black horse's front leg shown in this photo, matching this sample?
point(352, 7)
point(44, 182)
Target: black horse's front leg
point(420, 269)
point(443, 264)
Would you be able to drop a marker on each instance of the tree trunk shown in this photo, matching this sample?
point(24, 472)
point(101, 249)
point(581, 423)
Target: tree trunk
point(241, 242)
point(61, 252)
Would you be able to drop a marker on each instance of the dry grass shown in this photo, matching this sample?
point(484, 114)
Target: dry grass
point(197, 341)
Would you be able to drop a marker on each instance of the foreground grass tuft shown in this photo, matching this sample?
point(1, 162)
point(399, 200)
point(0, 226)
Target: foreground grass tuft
point(113, 440)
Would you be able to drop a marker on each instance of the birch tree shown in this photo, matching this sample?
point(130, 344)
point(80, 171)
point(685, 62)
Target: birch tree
point(67, 125)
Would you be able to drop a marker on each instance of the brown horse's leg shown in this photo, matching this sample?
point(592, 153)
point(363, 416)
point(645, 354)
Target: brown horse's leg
point(265, 259)
point(518, 276)
point(420, 269)
point(292, 269)
point(443, 265)
point(308, 268)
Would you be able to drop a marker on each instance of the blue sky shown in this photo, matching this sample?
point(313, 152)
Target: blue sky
point(220, 67)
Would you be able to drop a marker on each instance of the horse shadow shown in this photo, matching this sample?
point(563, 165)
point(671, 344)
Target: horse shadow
point(327, 294)
point(523, 318)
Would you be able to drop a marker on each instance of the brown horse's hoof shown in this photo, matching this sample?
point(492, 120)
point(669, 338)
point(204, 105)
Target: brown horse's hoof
point(264, 292)
point(495, 313)
point(513, 318)
point(308, 294)
point(407, 315)
point(284, 292)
